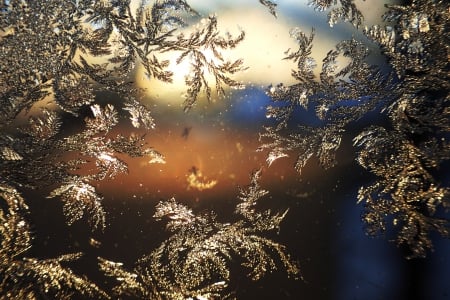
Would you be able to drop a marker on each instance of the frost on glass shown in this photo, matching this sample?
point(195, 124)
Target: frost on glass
point(26, 277)
point(271, 6)
point(196, 47)
point(197, 260)
point(69, 56)
point(49, 55)
point(338, 97)
point(345, 10)
point(93, 144)
point(404, 155)
point(62, 71)
point(407, 187)
point(56, 49)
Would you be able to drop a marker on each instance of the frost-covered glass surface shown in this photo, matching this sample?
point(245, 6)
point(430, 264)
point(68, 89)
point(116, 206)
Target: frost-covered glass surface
point(174, 149)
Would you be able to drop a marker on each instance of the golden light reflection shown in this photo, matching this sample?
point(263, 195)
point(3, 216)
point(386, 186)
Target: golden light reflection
point(206, 158)
point(196, 180)
point(211, 163)
point(262, 49)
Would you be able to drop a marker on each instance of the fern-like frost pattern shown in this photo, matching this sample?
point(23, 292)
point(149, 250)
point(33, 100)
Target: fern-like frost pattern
point(413, 98)
point(30, 278)
point(196, 260)
point(64, 64)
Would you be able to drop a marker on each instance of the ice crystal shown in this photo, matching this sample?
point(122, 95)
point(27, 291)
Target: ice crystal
point(31, 278)
point(79, 196)
point(104, 119)
point(346, 10)
point(271, 6)
point(28, 156)
point(66, 61)
point(179, 215)
point(139, 114)
point(309, 141)
point(95, 142)
point(405, 189)
point(406, 156)
point(195, 262)
point(329, 96)
point(45, 127)
point(155, 156)
point(10, 154)
point(414, 98)
point(198, 48)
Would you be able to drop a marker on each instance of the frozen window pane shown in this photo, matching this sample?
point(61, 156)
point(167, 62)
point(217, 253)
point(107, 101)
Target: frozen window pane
point(108, 108)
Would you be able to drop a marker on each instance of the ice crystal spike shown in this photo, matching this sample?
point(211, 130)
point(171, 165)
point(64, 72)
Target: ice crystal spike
point(104, 119)
point(179, 215)
point(197, 48)
point(80, 197)
point(139, 114)
point(61, 60)
point(271, 6)
point(413, 98)
point(346, 10)
point(309, 141)
point(155, 156)
point(406, 187)
point(9, 154)
point(249, 196)
point(30, 278)
point(197, 260)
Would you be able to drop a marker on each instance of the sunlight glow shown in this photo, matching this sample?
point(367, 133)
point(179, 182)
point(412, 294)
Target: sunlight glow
point(263, 49)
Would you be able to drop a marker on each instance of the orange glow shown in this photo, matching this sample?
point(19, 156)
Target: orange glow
point(222, 154)
point(222, 158)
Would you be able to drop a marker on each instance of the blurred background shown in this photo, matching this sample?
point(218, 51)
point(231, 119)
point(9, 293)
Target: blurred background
point(211, 151)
